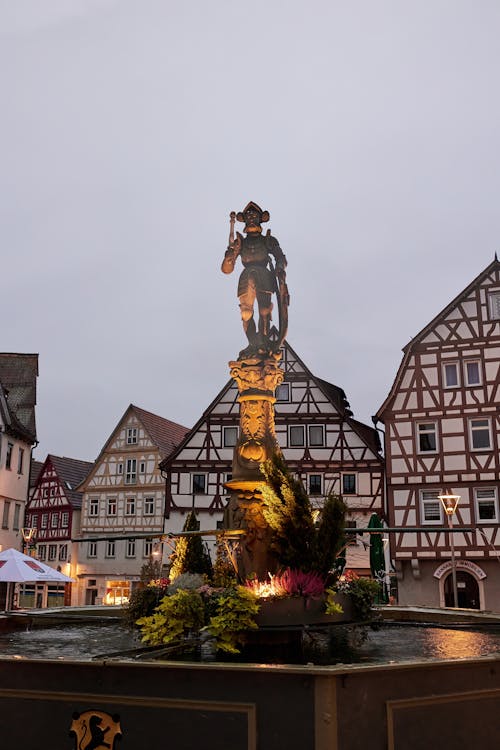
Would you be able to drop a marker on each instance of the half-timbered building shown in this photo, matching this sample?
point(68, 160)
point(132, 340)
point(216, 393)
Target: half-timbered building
point(52, 521)
point(442, 427)
point(322, 443)
point(123, 506)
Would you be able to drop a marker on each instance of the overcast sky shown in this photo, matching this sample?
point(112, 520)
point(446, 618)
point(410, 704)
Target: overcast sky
point(131, 128)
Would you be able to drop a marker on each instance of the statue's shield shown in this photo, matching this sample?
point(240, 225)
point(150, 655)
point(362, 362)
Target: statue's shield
point(95, 730)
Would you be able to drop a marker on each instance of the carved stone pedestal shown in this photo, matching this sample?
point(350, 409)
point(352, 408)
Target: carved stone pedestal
point(257, 378)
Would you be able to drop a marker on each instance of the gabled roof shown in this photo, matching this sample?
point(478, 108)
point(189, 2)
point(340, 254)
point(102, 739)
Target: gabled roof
point(408, 349)
point(18, 374)
point(35, 469)
point(71, 472)
point(163, 432)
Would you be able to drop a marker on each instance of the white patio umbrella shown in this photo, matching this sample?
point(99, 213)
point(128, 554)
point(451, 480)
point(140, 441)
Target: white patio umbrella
point(15, 567)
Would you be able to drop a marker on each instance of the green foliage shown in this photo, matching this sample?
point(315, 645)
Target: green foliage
point(298, 542)
point(142, 603)
point(175, 617)
point(363, 593)
point(224, 574)
point(331, 606)
point(190, 555)
point(235, 614)
point(151, 570)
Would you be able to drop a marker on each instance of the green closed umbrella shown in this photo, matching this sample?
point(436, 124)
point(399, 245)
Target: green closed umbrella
point(377, 557)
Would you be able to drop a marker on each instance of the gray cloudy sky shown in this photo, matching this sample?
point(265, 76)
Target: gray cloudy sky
point(131, 128)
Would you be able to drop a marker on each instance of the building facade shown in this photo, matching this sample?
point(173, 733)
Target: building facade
point(322, 443)
point(123, 506)
point(52, 522)
point(442, 433)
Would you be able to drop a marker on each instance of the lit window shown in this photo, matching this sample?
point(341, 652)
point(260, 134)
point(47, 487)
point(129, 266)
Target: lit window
point(486, 504)
point(131, 471)
point(451, 375)
point(297, 437)
point(427, 440)
point(94, 506)
point(480, 434)
point(110, 549)
point(92, 549)
point(130, 548)
point(8, 456)
point(283, 393)
point(111, 506)
point(63, 552)
point(348, 484)
point(316, 435)
point(199, 484)
point(494, 305)
point(52, 552)
point(430, 506)
point(132, 436)
point(149, 506)
point(130, 506)
point(315, 484)
point(230, 436)
point(472, 373)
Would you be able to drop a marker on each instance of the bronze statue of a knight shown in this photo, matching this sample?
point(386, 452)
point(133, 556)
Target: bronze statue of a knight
point(259, 280)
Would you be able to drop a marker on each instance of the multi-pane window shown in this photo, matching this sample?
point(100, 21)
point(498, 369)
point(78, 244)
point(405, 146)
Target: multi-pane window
point(110, 548)
point(130, 548)
point(229, 436)
point(54, 520)
point(451, 375)
point(427, 437)
point(41, 551)
point(52, 552)
point(486, 504)
point(149, 506)
point(131, 471)
point(92, 549)
point(283, 393)
point(5, 514)
point(199, 484)
point(430, 506)
point(348, 484)
point(8, 455)
point(94, 506)
point(316, 435)
point(494, 305)
point(297, 436)
point(45, 520)
point(480, 434)
point(148, 548)
point(33, 522)
point(65, 519)
point(63, 552)
point(17, 516)
point(472, 373)
point(130, 506)
point(20, 461)
point(132, 436)
point(315, 484)
point(111, 506)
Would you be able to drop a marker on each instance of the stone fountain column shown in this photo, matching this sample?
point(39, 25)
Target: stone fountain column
point(257, 379)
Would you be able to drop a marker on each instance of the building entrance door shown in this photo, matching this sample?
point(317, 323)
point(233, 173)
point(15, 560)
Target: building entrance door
point(467, 590)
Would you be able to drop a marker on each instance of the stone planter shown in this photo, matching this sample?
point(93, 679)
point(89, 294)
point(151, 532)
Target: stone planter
point(295, 611)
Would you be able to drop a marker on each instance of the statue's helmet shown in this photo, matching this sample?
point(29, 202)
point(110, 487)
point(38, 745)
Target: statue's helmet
point(253, 216)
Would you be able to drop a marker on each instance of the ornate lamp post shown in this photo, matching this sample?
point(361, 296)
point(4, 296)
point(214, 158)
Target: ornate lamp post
point(449, 502)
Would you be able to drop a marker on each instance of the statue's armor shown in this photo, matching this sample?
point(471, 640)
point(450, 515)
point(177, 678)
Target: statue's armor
point(254, 256)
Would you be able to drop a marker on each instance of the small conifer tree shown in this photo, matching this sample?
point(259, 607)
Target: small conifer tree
point(190, 554)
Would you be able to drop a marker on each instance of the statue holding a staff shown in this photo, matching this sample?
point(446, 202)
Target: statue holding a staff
point(259, 280)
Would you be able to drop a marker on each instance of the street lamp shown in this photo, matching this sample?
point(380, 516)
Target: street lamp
point(449, 502)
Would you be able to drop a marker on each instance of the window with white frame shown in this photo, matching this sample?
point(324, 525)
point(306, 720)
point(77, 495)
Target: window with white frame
point(132, 436)
point(92, 550)
point(427, 437)
point(63, 552)
point(94, 506)
point(296, 436)
point(130, 506)
point(148, 548)
point(283, 393)
point(52, 552)
point(110, 548)
point(45, 520)
point(199, 484)
point(472, 372)
point(65, 519)
point(54, 520)
point(486, 505)
point(130, 548)
point(41, 551)
point(119, 468)
point(142, 467)
point(494, 305)
point(348, 484)
point(316, 435)
point(229, 437)
point(149, 506)
point(430, 507)
point(480, 434)
point(111, 506)
point(17, 517)
point(451, 375)
point(6, 513)
point(131, 471)
point(315, 484)
point(34, 521)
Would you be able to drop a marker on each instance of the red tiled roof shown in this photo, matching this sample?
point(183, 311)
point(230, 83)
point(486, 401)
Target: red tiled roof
point(163, 432)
